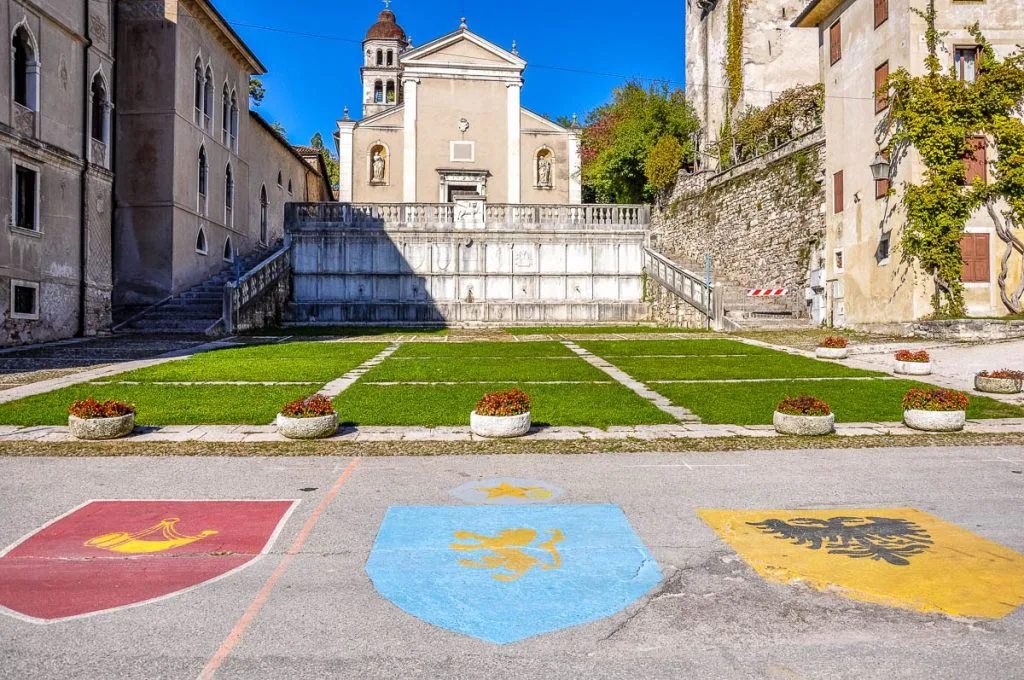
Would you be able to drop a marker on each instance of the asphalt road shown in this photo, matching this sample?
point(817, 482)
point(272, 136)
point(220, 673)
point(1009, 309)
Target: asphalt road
point(316, 613)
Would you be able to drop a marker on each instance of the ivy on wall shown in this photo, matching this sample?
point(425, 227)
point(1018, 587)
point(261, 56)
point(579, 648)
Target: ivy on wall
point(734, 52)
point(937, 114)
point(757, 131)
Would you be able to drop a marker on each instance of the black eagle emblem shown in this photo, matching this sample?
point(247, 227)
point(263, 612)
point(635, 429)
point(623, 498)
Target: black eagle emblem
point(879, 538)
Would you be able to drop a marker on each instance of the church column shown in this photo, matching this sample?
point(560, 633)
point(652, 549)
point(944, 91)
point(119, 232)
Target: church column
point(346, 160)
point(575, 169)
point(409, 86)
point(514, 143)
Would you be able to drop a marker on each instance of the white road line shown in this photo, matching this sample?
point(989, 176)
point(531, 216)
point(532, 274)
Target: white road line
point(336, 387)
point(626, 380)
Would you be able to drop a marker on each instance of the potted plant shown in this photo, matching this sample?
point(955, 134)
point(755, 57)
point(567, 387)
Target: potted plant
point(1005, 381)
point(502, 414)
point(833, 347)
point(308, 418)
point(935, 410)
point(96, 421)
point(804, 415)
point(913, 363)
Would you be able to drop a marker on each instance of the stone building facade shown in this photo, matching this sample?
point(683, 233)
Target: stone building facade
point(773, 57)
point(217, 178)
point(862, 41)
point(55, 108)
point(760, 222)
point(445, 118)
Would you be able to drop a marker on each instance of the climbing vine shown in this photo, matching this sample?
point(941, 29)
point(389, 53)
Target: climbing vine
point(734, 51)
point(937, 114)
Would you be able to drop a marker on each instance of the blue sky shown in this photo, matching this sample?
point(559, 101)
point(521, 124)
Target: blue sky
point(311, 79)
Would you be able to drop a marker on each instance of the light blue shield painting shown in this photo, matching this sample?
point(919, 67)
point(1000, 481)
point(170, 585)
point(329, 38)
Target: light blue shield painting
point(505, 573)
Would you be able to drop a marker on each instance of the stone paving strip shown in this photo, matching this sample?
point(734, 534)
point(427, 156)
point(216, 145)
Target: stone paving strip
point(678, 412)
point(268, 433)
point(89, 376)
point(336, 387)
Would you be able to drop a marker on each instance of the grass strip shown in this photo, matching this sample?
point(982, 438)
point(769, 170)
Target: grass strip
point(597, 330)
point(162, 405)
point(617, 348)
point(469, 350)
point(346, 331)
point(853, 401)
point(484, 369)
point(450, 405)
point(723, 368)
point(316, 362)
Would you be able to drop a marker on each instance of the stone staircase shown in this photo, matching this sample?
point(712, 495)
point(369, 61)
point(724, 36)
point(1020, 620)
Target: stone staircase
point(198, 310)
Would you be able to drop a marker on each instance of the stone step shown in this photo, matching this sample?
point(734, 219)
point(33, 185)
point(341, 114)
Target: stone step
point(190, 314)
point(172, 326)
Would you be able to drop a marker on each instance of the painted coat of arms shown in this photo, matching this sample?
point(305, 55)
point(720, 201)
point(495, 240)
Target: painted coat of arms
point(505, 573)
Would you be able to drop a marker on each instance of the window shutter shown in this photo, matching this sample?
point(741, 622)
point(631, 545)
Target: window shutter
point(836, 42)
point(881, 12)
point(976, 159)
point(981, 258)
point(837, 191)
point(881, 90)
point(967, 252)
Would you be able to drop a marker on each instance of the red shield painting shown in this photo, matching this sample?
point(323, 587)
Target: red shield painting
point(108, 555)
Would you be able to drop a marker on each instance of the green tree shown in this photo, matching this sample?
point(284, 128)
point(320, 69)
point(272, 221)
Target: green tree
point(664, 163)
point(332, 163)
point(256, 92)
point(937, 114)
point(619, 138)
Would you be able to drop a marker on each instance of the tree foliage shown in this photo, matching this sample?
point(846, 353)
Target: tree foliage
point(256, 92)
point(332, 163)
point(938, 114)
point(664, 163)
point(619, 138)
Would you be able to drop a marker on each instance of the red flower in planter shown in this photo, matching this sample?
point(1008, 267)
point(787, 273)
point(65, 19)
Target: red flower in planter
point(803, 405)
point(913, 357)
point(835, 342)
point(512, 402)
point(918, 399)
point(316, 406)
point(90, 409)
point(1004, 374)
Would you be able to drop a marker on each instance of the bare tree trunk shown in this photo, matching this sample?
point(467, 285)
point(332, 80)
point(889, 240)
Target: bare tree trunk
point(1004, 229)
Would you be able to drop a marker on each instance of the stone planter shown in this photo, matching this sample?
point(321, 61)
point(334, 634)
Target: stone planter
point(320, 427)
point(100, 429)
point(808, 426)
point(500, 427)
point(832, 352)
point(983, 383)
point(914, 367)
point(935, 421)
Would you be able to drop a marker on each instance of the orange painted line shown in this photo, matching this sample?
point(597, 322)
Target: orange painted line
point(235, 636)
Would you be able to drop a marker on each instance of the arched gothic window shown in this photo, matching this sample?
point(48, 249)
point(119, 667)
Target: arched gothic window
point(100, 111)
point(199, 89)
point(26, 70)
point(289, 186)
point(225, 115)
point(229, 196)
point(204, 180)
point(234, 121)
point(229, 253)
point(208, 101)
point(201, 242)
point(264, 215)
point(280, 179)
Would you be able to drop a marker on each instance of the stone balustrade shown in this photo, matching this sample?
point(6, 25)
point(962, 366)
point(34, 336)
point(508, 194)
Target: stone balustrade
point(258, 298)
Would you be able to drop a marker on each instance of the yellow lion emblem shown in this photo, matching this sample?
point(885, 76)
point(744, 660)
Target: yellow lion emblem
point(508, 549)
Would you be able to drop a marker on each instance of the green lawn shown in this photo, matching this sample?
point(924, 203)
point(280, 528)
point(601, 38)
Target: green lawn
point(597, 330)
point(853, 401)
point(468, 350)
point(733, 367)
point(315, 362)
point(450, 405)
point(163, 404)
point(484, 369)
point(610, 349)
point(347, 331)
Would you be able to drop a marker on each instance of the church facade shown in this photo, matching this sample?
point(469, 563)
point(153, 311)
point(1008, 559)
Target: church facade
point(444, 121)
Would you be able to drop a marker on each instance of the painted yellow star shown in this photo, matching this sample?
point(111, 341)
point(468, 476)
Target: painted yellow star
point(506, 490)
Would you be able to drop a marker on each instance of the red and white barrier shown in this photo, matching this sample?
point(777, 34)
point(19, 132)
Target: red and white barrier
point(767, 292)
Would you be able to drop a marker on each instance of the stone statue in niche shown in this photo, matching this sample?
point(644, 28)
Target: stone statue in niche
point(379, 165)
point(544, 170)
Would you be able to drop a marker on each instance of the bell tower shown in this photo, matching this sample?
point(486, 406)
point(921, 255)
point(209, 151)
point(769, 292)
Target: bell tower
point(382, 63)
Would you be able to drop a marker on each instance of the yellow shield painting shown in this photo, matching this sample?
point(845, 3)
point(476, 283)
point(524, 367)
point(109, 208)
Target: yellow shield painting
point(896, 557)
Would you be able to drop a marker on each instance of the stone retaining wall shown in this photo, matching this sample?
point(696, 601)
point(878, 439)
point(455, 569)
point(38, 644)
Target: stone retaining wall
point(953, 329)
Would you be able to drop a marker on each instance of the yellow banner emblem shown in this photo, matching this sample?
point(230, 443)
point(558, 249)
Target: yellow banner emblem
point(508, 552)
point(141, 542)
point(896, 557)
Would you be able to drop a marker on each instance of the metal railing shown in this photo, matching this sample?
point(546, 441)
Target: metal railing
point(694, 290)
point(494, 214)
point(242, 295)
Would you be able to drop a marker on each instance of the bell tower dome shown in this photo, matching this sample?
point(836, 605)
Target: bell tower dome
point(382, 64)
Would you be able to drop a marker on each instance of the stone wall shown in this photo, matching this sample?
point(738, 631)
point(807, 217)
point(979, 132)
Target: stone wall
point(762, 222)
point(951, 329)
point(668, 309)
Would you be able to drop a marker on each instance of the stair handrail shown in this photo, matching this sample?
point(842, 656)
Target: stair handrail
point(690, 287)
point(253, 285)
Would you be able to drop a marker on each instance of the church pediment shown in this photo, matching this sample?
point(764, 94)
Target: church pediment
point(530, 121)
point(465, 50)
point(391, 118)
